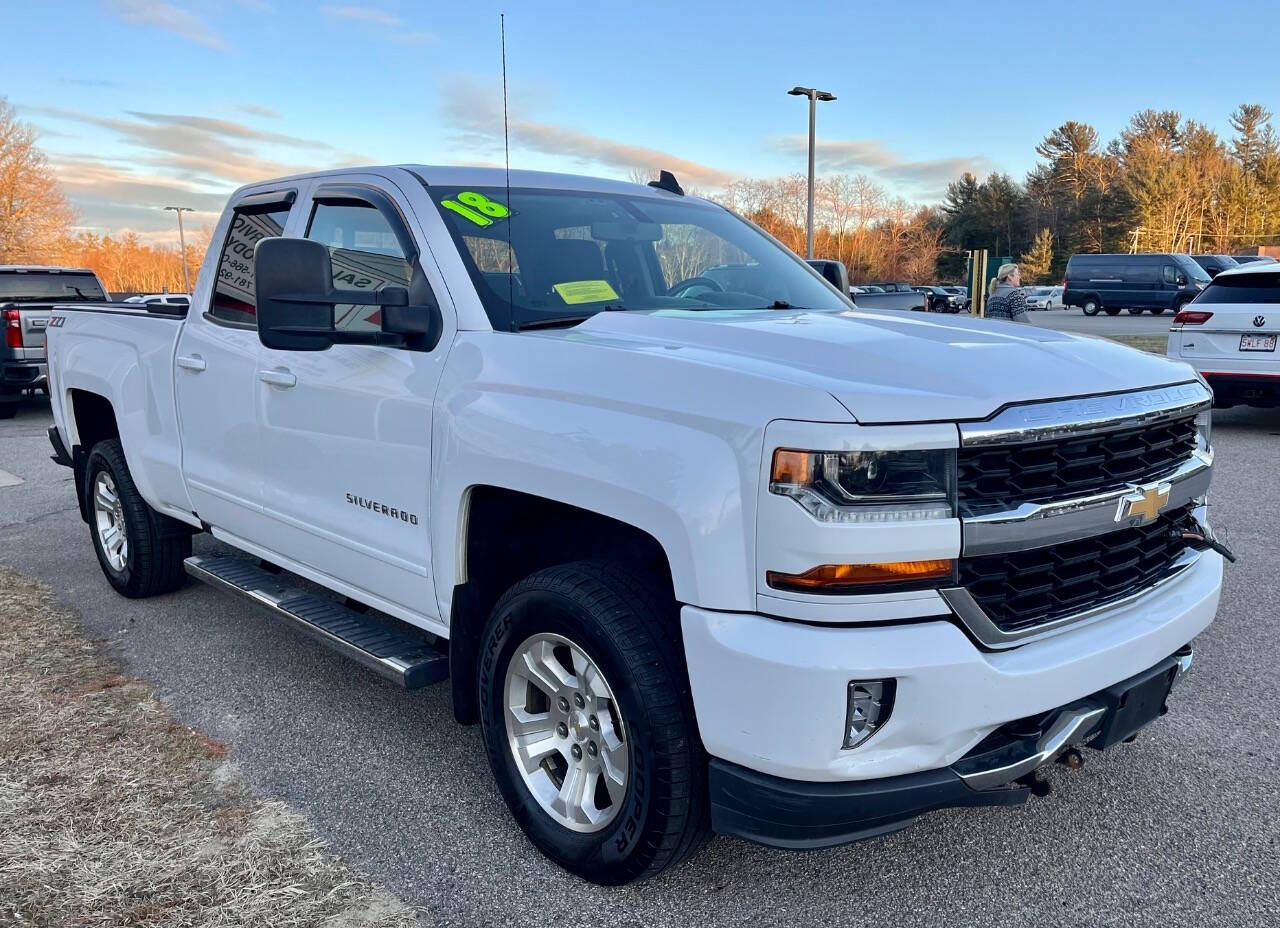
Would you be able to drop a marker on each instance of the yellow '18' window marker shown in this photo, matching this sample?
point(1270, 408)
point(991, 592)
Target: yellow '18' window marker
point(477, 207)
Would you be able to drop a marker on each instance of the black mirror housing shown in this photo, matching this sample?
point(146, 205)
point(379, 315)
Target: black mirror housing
point(292, 278)
point(293, 285)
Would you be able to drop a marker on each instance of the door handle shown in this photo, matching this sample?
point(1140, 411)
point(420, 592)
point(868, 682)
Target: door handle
point(278, 378)
point(193, 363)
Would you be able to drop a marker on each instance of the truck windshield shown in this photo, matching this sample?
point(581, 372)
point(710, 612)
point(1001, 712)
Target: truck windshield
point(543, 256)
point(47, 286)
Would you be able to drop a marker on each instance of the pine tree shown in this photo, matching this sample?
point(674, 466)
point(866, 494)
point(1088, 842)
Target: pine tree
point(1035, 264)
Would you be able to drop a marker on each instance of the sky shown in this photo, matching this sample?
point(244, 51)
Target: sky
point(142, 104)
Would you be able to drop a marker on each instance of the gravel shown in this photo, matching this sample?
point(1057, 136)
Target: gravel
point(1180, 828)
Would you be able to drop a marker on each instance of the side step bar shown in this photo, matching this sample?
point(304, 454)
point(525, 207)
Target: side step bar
point(404, 657)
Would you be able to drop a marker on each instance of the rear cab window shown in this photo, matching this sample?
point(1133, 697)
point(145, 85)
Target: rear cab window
point(42, 286)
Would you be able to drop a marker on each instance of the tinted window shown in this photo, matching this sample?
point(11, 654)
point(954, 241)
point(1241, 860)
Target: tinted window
point(1170, 274)
point(367, 254)
point(1190, 268)
point(44, 286)
point(233, 294)
point(1242, 288)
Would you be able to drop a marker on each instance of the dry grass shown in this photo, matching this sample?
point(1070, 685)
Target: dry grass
point(113, 813)
point(1155, 344)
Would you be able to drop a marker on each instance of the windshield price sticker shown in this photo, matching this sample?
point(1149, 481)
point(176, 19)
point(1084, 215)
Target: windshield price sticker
point(585, 291)
point(477, 207)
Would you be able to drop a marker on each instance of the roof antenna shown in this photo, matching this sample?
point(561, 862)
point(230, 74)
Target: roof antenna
point(506, 153)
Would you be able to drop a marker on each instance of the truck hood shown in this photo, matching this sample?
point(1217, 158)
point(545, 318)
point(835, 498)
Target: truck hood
point(891, 367)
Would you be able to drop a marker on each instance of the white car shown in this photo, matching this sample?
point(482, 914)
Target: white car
point(700, 544)
point(1228, 333)
point(1044, 298)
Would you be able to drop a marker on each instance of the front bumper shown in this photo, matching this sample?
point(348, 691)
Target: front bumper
point(795, 814)
point(771, 695)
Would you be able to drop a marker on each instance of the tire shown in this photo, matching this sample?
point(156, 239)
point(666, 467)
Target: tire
point(1112, 310)
point(1158, 310)
point(149, 561)
point(1135, 310)
point(8, 408)
point(1091, 307)
point(600, 614)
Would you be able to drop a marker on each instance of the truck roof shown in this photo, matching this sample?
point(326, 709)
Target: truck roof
point(455, 175)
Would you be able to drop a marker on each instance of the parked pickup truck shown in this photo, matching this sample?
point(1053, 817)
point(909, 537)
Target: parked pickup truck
point(27, 293)
point(698, 552)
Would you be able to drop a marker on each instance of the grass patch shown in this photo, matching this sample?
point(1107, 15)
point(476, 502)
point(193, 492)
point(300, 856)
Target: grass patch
point(114, 813)
point(1156, 344)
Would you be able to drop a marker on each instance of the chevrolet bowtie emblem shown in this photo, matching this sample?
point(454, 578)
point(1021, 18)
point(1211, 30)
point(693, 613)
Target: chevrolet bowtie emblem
point(1143, 504)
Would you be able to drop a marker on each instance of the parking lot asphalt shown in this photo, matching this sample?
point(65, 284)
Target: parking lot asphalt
point(1181, 827)
point(1074, 320)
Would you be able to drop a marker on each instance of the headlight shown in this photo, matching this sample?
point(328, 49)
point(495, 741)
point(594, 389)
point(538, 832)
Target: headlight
point(868, 486)
point(1204, 429)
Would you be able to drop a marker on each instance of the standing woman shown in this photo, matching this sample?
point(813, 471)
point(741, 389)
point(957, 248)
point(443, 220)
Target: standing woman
point(1007, 300)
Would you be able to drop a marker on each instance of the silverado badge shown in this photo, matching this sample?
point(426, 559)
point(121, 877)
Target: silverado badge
point(1143, 504)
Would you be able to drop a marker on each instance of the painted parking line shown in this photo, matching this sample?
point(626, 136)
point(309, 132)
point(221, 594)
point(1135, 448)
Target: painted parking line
point(9, 480)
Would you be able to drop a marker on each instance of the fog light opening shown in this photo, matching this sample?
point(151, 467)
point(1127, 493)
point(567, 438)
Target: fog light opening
point(869, 704)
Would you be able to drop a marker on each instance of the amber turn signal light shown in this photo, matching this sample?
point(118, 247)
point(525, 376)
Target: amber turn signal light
point(791, 467)
point(837, 578)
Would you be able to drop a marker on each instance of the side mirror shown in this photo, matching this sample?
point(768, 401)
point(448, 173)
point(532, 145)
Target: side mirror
point(293, 285)
point(835, 272)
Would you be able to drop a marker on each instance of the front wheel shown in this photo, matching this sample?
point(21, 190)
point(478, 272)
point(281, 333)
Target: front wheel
point(1135, 310)
point(1157, 310)
point(1112, 310)
point(140, 550)
point(588, 722)
point(1091, 307)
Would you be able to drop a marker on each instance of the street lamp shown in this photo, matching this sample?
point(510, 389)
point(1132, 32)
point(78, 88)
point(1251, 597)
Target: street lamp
point(182, 243)
point(814, 96)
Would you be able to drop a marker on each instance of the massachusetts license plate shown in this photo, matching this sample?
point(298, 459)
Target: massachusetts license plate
point(1257, 343)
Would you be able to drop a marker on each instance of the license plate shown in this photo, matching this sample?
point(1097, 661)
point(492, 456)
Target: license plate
point(1257, 343)
point(1134, 703)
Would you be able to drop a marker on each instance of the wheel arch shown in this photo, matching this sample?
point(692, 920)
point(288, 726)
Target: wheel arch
point(507, 534)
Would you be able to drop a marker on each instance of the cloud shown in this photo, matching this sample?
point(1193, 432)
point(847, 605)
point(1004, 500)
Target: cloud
point(871, 156)
point(253, 109)
point(373, 16)
point(477, 115)
point(364, 14)
point(90, 82)
point(195, 160)
point(168, 17)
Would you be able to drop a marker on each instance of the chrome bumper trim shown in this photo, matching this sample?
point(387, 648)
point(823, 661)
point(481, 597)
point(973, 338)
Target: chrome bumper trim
point(1068, 729)
point(1031, 422)
point(992, 636)
point(1035, 525)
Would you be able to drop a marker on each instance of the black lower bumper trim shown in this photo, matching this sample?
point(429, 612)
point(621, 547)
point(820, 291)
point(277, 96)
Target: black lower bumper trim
point(801, 814)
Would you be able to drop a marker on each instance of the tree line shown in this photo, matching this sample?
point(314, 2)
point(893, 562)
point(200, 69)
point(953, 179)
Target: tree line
point(1165, 183)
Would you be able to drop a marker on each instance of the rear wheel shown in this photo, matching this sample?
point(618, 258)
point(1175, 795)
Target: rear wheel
point(1135, 310)
point(588, 722)
point(140, 551)
point(1112, 310)
point(1157, 310)
point(1091, 307)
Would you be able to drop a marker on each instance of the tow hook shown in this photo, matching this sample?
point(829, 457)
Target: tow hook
point(1071, 758)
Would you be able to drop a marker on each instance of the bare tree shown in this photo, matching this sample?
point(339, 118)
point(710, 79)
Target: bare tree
point(34, 214)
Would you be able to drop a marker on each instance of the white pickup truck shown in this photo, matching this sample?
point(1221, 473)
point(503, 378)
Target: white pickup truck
point(700, 545)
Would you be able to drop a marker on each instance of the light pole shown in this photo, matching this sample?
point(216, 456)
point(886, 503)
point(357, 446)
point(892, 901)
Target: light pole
point(182, 243)
point(814, 96)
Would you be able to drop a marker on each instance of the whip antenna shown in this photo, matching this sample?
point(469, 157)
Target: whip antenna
point(506, 154)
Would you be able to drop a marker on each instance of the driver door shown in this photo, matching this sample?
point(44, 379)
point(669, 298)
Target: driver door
point(346, 432)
